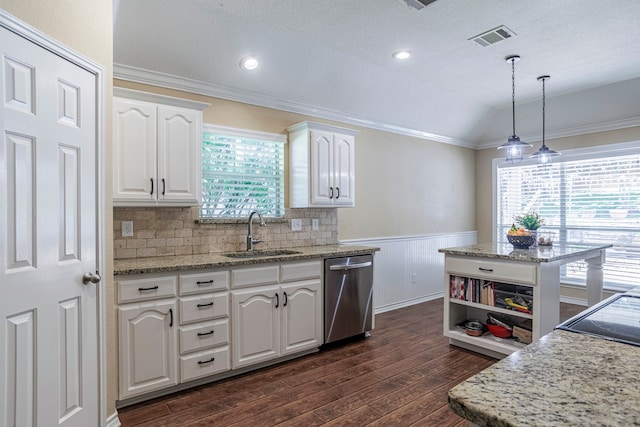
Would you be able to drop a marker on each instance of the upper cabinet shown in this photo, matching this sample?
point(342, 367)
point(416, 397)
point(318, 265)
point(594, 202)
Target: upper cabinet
point(157, 149)
point(322, 165)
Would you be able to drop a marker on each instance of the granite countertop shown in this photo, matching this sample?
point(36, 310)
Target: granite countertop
point(124, 267)
point(538, 254)
point(562, 379)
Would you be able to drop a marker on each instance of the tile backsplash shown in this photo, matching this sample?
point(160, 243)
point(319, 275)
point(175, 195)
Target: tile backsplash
point(170, 231)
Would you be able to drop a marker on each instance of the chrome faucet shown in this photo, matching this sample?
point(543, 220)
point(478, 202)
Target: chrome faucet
point(250, 240)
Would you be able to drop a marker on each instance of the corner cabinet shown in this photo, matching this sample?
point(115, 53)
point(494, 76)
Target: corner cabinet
point(475, 287)
point(157, 149)
point(322, 165)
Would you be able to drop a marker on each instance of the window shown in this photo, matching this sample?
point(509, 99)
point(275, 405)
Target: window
point(586, 196)
point(242, 171)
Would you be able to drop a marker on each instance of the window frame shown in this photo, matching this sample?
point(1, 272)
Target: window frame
point(585, 153)
point(247, 134)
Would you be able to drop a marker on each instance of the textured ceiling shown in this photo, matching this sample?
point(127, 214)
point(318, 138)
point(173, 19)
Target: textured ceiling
point(334, 57)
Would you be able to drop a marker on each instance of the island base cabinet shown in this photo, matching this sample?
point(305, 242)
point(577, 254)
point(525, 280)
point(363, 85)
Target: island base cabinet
point(147, 347)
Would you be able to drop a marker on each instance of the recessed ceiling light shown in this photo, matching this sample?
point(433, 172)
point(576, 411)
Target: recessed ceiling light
point(249, 63)
point(402, 54)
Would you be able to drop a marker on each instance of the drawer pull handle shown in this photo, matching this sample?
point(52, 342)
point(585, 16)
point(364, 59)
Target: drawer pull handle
point(209, 304)
point(204, 362)
point(208, 282)
point(152, 288)
point(490, 270)
point(204, 334)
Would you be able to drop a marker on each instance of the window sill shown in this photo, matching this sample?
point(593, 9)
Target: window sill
point(213, 221)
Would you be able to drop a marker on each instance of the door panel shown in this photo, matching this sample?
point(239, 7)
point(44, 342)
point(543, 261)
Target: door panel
point(48, 225)
point(321, 159)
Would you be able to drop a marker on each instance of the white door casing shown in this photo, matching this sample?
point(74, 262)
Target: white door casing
point(50, 363)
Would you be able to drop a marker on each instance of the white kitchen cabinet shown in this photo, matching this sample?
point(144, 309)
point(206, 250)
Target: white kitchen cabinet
point(255, 332)
point(204, 324)
point(157, 150)
point(147, 337)
point(301, 316)
point(272, 321)
point(322, 165)
point(465, 280)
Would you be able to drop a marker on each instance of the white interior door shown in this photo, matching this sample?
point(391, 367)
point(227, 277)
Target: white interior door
point(49, 363)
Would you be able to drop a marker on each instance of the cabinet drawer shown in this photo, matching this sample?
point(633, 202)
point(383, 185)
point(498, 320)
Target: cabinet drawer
point(203, 364)
point(146, 289)
point(201, 336)
point(203, 307)
point(204, 282)
point(254, 276)
point(496, 270)
point(300, 271)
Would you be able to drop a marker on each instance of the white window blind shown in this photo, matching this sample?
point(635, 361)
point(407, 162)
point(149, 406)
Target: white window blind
point(585, 196)
point(242, 171)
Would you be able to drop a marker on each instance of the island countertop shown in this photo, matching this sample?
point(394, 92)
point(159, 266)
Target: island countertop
point(562, 379)
point(124, 267)
point(539, 254)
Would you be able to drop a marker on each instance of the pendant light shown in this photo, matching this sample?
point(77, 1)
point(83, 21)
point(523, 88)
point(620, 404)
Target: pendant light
point(513, 145)
point(544, 154)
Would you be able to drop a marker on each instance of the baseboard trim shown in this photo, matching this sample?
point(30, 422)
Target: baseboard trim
point(113, 420)
point(407, 303)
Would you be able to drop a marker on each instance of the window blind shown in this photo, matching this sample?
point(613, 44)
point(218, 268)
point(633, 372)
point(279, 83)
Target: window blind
point(241, 174)
point(588, 197)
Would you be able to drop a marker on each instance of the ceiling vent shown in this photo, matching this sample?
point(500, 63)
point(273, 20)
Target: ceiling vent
point(418, 4)
point(493, 36)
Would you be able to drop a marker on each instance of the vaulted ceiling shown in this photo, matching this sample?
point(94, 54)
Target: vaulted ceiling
point(333, 59)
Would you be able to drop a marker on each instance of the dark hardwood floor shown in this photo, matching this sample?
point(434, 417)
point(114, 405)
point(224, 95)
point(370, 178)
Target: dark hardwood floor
point(399, 376)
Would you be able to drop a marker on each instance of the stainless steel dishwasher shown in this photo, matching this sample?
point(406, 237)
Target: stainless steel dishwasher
point(348, 290)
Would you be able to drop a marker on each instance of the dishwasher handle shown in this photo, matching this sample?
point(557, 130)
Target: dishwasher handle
point(350, 266)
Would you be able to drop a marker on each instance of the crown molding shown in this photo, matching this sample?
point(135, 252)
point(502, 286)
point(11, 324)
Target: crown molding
point(564, 133)
point(154, 78)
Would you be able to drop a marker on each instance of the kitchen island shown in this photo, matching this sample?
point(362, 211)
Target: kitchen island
point(562, 379)
point(531, 276)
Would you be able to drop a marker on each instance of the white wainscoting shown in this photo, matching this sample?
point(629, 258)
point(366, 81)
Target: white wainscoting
point(400, 258)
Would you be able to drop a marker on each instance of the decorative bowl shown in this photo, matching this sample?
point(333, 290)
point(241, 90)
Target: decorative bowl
point(520, 242)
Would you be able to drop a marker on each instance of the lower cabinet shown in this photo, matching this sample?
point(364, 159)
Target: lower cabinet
point(175, 328)
point(273, 321)
point(148, 355)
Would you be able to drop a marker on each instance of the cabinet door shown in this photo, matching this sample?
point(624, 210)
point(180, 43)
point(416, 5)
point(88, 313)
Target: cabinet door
point(301, 316)
point(343, 170)
point(179, 156)
point(321, 179)
point(134, 152)
point(148, 355)
point(255, 325)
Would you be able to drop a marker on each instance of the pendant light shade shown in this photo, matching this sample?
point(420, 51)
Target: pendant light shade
point(514, 145)
point(544, 154)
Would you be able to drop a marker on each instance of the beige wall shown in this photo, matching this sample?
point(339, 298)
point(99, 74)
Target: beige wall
point(404, 186)
point(87, 27)
point(484, 169)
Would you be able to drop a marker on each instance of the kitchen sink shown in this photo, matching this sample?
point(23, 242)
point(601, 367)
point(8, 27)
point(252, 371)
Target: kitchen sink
point(257, 254)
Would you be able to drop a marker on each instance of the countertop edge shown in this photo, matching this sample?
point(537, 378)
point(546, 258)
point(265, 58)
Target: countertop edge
point(127, 267)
